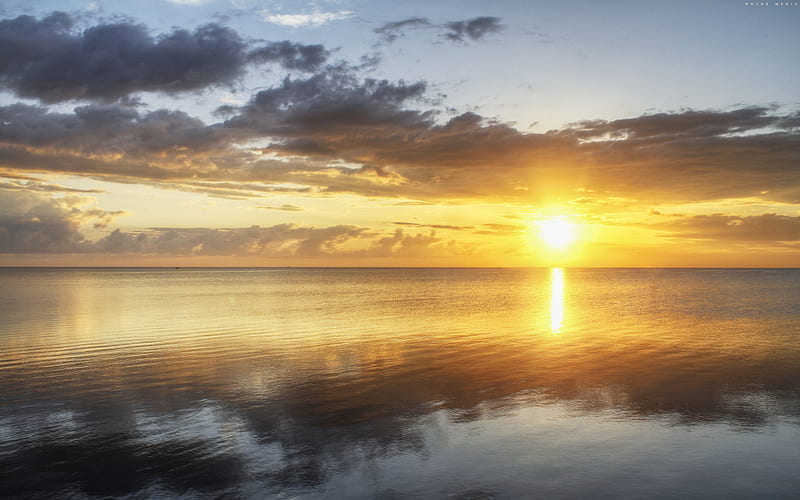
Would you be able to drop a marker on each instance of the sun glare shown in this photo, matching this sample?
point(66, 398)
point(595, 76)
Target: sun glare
point(557, 234)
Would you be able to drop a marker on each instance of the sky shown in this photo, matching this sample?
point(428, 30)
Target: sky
point(376, 133)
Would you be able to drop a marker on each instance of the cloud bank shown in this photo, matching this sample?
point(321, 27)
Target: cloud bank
point(37, 223)
point(765, 228)
point(313, 125)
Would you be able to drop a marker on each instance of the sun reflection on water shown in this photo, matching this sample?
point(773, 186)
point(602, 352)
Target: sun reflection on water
point(294, 382)
point(556, 299)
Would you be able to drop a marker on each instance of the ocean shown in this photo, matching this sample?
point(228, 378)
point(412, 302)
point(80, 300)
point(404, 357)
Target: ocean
point(400, 383)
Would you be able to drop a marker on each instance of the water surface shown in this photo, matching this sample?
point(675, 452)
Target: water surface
point(399, 383)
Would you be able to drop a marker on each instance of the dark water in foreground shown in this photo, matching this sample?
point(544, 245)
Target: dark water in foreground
point(397, 383)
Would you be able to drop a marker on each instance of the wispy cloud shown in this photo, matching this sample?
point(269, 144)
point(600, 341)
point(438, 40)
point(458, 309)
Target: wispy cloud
point(434, 226)
point(305, 20)
point(456, 31)
point(390, 32)
point(43, 186)
point(286, 207)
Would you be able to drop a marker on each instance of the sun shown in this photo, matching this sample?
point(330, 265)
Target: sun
point(557, 234)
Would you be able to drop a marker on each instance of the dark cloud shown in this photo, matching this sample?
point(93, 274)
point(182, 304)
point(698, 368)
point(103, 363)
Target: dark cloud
point(48, 60)
point(291, 55)
point(390, 32)
point(34, 223)
point(748, 152)
point(38, 235)
point(109, 130)
point(334, 101)
point(44, 59)
point(385, 132)
point(695, 155)
point(457, 31)
point(319, 123)
point(474, 29)
point(687, 124)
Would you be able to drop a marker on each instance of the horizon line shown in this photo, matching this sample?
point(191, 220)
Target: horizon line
point(395, 267)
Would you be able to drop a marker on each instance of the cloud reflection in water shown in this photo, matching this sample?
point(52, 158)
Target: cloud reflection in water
point(370, 382)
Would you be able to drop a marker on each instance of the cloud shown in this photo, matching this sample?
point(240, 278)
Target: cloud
point(766, 228)
point(122, 143)
point(291, 55)
point(35, 223)
point(47, 59)
point(283, 240)
point(43, 59)
point(31, 222)
point(108, 130)
point(34, 185)
point(286, 207)
point(435, 226)
point(305, 20)
point(419, 245)
point(457, 31)
point(687, 124)
point(59, 234)
point(474, 29)
point(308, 127)
point(329, 101)
point(390, 32)
point(504, 229)
point(696, 155)
point(18, 176)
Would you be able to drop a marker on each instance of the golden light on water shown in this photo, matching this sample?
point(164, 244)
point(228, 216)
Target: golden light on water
point(556, 299)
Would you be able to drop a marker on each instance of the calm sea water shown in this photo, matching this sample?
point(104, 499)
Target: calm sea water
point(399, 383)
